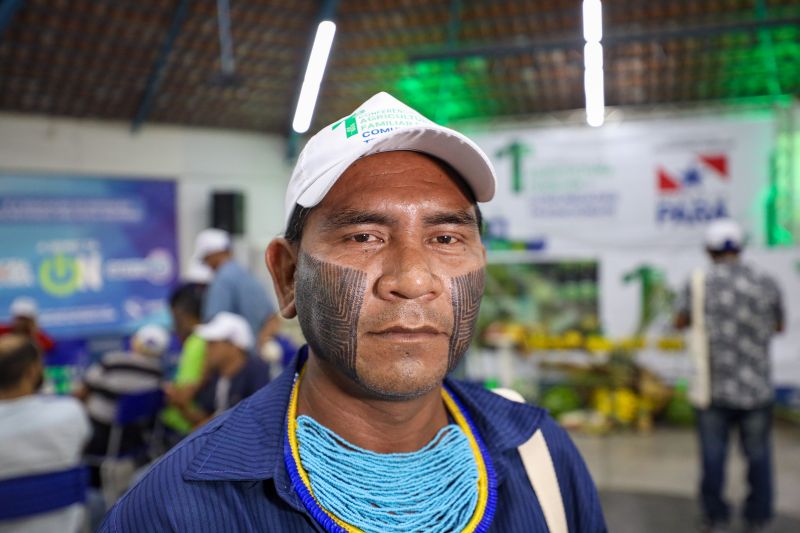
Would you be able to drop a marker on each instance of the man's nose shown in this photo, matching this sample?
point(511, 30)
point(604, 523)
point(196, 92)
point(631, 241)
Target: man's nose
point(408, 274)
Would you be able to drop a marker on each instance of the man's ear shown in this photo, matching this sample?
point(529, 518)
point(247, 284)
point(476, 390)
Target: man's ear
point(281, 258)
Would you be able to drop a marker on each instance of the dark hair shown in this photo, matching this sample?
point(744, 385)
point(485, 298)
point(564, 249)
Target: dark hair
point(722, 254)
point(297, 222)
point(189, 299)
point(17, 354)
point(294, 231)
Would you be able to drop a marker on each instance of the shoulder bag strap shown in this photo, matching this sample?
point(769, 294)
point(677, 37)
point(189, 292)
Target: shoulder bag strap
point(541, 473)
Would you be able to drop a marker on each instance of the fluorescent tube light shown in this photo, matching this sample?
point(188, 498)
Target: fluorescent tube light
point(595, 97)
point(593, 62)
point(593, 56)
point(592, 21)
point(313, 78)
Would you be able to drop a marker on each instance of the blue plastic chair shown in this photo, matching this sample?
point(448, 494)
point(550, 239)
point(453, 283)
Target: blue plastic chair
point(133, 409)
point(27, 496)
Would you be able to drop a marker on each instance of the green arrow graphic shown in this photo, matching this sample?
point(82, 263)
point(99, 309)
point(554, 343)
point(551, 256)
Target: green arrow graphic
point(517, 151)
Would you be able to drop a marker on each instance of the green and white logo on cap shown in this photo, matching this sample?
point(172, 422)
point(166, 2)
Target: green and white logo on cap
point(371, 122)
point(350, 124)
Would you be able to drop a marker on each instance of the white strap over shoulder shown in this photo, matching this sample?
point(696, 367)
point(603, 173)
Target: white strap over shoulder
point(541, 473)
point(700, 386)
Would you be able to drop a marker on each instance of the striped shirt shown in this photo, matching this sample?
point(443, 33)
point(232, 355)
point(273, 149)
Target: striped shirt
point(119, 373)
point(230, 476)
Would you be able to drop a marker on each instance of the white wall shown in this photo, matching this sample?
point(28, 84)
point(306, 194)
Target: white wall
point(200, 160)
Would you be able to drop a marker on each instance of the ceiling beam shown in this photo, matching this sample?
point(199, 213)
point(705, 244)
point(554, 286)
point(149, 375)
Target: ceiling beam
point(664, 34)
point(159, 70)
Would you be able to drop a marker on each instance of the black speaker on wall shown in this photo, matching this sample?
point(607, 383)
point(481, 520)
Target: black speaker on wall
point(227, 212)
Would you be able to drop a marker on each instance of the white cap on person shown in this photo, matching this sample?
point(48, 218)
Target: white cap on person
point(210, 241)
point(229, 327)
point(723, 235)
point(383, 124)
point(151, 339)
point(24, 307)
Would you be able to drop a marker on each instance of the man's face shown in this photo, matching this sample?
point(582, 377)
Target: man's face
point(390, 273)
point(219, 352)
point(24, 325)
point(182, 323)
point(215, 260)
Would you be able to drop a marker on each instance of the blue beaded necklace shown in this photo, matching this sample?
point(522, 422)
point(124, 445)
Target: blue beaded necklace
point(392, 492)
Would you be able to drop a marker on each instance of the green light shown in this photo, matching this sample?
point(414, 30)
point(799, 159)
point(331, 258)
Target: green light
point(783, 201)
point(445, 90)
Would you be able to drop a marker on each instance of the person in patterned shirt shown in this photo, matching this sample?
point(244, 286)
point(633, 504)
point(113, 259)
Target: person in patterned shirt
point(742, 310)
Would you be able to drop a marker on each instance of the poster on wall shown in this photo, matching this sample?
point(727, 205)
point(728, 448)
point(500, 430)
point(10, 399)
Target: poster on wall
point(98, 256)
point(634, 185)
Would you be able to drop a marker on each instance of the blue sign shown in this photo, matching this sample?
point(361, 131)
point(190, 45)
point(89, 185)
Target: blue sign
point(99, 256)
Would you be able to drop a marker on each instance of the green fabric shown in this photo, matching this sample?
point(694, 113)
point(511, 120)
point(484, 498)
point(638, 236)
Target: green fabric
point(193, 357)
point(190, 371)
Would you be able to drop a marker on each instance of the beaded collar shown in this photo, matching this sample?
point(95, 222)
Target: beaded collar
point(487, 482)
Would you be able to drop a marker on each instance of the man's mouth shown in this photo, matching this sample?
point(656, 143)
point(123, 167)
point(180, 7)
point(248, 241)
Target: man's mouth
point(408, 334)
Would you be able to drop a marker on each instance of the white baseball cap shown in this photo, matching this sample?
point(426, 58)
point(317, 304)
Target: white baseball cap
point(151, 339)
point(229, 327)
point(24, 307)
point(210, 241)
point(724, 235)
point(383, 124)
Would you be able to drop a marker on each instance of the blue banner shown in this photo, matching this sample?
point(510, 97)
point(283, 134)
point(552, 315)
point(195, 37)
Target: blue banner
point(99, 256)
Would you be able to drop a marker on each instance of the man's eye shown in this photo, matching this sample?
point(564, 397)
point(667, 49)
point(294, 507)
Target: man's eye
point(362, 237)
point(445, 239)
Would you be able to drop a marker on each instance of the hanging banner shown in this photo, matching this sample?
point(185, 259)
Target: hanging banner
point(97, 255)
point(631, 185)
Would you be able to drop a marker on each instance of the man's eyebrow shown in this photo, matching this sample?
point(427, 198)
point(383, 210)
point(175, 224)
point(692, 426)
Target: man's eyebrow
point(458, 218)
point(354, 217)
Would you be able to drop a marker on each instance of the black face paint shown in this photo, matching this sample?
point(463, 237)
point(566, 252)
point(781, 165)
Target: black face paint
point(466, 291)
point(328, 299)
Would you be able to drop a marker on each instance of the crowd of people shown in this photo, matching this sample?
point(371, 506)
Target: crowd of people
point(130, 406)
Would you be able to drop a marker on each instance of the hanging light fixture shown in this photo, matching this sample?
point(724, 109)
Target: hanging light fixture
point(313, 78)
point(593, 62)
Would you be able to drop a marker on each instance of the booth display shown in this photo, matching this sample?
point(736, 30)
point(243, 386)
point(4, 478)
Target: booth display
point(592, 235)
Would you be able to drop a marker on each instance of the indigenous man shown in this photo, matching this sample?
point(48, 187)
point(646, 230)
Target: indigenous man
point(383, 265)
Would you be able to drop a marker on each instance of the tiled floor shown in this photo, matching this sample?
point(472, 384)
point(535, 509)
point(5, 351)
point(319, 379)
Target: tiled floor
point(642, 476)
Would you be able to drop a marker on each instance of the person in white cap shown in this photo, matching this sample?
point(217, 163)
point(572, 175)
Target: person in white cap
point(233, 288)
point(233, 374)
point(118, 373)
point(383, 265)
point(24, 321)
point(733, 310)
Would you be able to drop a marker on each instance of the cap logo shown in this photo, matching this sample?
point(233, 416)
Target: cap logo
point(350, 124)
point(370, 124)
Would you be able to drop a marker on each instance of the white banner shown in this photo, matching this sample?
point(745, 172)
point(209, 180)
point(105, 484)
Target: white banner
point(631, 185)
point(622, 289)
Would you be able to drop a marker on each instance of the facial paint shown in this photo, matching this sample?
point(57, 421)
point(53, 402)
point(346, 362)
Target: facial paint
point(328, 299)
point(466, 292)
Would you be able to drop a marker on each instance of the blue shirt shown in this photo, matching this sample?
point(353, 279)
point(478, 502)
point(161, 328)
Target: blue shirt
point(250, 378)
point(235, 290)
point(230, 475)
